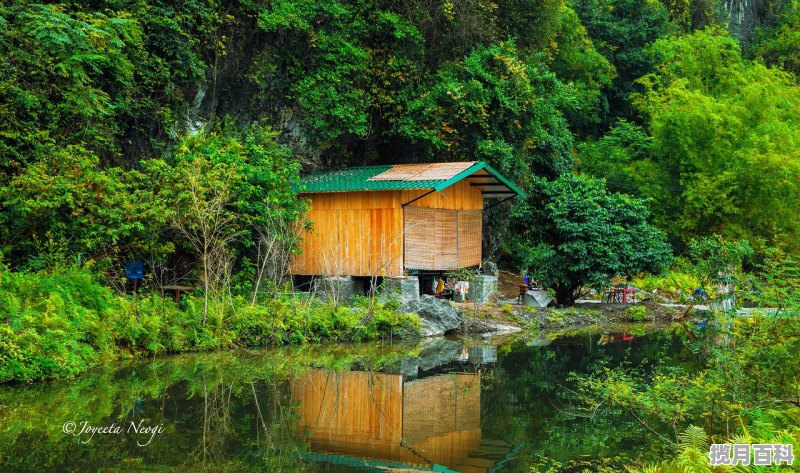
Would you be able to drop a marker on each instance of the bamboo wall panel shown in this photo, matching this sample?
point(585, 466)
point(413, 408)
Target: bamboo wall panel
point(361, 233)
point(470, 239)
point(355, 234)
point(442, 239)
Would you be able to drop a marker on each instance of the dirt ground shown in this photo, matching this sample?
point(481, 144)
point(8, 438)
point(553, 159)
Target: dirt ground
point(482, 315)
point(508, 284)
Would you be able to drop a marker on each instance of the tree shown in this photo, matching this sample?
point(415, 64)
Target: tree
point(779, 45)
point(571, 233)
point(67, 205)
point(66, 74)
point(725, 138)
point(585, 71)
point(621, 31)
point(197, 187)
point(355, 57)
point(777, 284)
point(718, 263)
point(225, 196)
point(497, 107)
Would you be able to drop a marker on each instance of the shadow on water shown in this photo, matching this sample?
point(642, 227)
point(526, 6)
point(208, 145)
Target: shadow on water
point(441, 404)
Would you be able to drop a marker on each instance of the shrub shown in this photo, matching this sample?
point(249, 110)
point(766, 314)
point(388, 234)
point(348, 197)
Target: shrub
point(675, 283)
point(55, 325)
point(636, 313)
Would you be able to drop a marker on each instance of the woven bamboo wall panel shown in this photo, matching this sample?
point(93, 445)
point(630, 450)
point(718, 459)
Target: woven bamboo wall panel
point(440, 404)
point(470, 228)
point(441, 239)
point(430, 240)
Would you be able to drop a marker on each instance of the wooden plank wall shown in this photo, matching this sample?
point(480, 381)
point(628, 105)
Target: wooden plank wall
point(361, 233)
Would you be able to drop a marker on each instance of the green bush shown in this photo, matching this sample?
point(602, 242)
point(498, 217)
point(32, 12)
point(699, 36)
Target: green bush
point(675, 283)
point(636, 313)
point(55, 325)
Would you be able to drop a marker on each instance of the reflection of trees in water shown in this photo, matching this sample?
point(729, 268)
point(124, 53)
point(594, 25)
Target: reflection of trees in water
point(534, 379)
point(216, 421)
point(234, 412)
point(219, 412)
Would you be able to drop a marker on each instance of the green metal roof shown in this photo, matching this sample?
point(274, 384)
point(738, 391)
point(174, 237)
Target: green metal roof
point(359, 179)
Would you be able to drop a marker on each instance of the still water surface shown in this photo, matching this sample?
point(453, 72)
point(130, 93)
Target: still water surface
point(461, 405)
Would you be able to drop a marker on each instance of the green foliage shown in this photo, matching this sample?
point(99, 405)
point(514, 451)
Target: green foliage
point(68, 73)
point(718, 261)
point(572, 233)
point(678, 284)
point(691, 15)
point(222, 194)
point(112, 77)
point(778, 45)
point(636, 313)
point(723, 134)
point(67, 198)
point(750, 371)
point(57, 325)
point(621, 31)
point(357, 55)
point(777, 283)
point(496, 107)
point(587, 73)
point(623, 158)
point(53, 325)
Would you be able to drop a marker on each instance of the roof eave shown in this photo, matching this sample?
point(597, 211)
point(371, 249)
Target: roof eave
point(472, 170)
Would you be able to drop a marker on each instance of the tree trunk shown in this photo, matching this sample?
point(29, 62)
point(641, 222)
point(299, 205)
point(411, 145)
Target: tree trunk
point(205, 287)
point(565, 295)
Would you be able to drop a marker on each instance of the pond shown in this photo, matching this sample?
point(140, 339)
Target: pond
point(443, 404)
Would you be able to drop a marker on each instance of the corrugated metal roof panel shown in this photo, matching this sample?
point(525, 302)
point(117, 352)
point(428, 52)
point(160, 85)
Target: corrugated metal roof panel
point(422, 172)
point(437, 176)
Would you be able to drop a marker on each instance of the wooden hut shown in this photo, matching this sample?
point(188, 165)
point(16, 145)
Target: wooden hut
point(387, 220)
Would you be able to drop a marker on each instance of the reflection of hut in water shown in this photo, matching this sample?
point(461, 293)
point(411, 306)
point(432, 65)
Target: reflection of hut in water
point(613, 337)
point(420, 423)
point(482, 355)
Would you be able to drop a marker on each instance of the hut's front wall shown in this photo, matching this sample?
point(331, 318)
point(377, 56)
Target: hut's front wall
point(361, 233)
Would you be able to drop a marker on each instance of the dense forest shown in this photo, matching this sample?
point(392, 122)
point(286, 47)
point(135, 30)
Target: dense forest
point(688, 107)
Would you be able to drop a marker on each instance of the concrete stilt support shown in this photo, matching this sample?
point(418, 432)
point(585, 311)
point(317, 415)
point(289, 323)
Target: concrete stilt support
point(483, 289)
point(337, 288)
point(404, 288)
